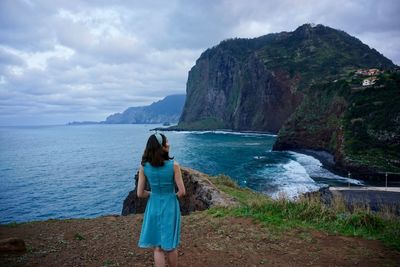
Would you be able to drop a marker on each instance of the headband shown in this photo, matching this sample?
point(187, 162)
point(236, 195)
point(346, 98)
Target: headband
point(159, 138)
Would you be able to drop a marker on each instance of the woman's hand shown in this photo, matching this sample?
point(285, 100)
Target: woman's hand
point(179, 194)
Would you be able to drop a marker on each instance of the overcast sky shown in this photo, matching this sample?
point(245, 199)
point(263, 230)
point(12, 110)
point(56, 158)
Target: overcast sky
point(62, 61)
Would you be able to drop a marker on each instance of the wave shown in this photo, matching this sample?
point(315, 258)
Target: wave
point(293, 181)
point(252, 144)
point(315, 168)
point(226, 132)
point(297, 176)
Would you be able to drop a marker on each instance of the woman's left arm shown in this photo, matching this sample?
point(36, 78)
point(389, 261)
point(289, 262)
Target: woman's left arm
point(141, 184)
point(179, 181)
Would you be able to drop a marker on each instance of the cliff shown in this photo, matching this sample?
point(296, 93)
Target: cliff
point(302, 86)
point(359, 125)
point(256, 84)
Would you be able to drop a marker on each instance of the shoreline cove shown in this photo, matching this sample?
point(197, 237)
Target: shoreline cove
point(70, 191)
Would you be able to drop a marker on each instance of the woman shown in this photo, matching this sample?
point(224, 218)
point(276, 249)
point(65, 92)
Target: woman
point(162, 217)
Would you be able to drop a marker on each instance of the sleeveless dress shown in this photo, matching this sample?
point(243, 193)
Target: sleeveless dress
point(162, 216)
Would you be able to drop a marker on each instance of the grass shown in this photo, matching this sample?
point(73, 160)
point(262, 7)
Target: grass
point(309, 213)
point(78, 236)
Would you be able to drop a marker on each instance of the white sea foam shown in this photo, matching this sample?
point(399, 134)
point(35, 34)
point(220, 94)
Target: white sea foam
point(226, 132)
point(294, 178)
point(293, 181)
point(315, 169)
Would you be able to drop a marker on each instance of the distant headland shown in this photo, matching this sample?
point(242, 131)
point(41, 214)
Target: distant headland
point(166, 111)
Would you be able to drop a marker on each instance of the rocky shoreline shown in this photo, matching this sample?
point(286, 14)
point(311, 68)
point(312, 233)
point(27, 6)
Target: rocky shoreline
point(325, 157)
point(202, 194)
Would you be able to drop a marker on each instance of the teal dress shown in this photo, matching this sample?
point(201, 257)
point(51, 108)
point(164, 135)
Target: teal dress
point(162, 216)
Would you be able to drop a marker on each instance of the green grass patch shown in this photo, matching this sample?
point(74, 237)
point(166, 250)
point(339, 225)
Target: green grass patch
point(308, 213)
point(11, 224)
point(78, 236)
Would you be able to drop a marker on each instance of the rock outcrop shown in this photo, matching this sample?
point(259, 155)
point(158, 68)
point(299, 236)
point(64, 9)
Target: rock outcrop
point(256, 84)
point(227, 93)
point(359, 127)
point(302, 86)
point(201, 194)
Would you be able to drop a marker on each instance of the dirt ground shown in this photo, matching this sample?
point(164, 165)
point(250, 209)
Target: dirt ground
point(205, 241)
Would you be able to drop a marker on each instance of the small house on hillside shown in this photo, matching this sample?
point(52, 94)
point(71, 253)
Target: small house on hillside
point(368, 72)
point(369, 81)
point(372, 72)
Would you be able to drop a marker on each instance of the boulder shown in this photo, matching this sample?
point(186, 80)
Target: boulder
point(201, 194)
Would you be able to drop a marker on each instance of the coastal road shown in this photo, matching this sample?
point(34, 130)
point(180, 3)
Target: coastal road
point(377, 198)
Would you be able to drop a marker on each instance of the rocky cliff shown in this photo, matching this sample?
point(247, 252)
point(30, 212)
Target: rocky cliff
point(201, 194)
point(256, 84)
point(302, 86)
point(359, 125)
point(224, 92)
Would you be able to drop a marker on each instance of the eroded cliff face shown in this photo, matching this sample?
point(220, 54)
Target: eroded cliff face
point(256, 84)
point(225, 92)
point(358, 125)
point(300, 85)
point(316, 123)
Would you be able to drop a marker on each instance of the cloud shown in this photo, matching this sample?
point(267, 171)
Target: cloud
point(83, 60)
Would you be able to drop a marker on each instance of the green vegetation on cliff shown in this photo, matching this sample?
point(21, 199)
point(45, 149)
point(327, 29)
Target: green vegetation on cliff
point(255, 84)
point(301, 85)
point(360, 125)
point(320, 53)
point(372, 124)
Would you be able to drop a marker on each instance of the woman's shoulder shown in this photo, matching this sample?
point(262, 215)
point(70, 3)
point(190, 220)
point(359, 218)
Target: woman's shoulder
point(171, 162)
point(147, 165)
point(176, 165)
point(166, 163)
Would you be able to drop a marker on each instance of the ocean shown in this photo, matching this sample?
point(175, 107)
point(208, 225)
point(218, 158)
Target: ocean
point(85, 171)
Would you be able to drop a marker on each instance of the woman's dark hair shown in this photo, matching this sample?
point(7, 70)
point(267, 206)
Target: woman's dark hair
point(154, 153)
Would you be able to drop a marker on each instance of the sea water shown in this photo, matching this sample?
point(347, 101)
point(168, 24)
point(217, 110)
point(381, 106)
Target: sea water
point(85, 171)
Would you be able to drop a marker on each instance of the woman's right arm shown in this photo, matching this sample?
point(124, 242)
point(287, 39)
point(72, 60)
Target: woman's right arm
point(141, 183)
point(179, 181)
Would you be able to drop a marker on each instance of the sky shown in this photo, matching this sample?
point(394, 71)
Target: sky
point(63, 61)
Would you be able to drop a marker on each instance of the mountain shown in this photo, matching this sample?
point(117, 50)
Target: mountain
point(167, 110)
point(302, 86)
